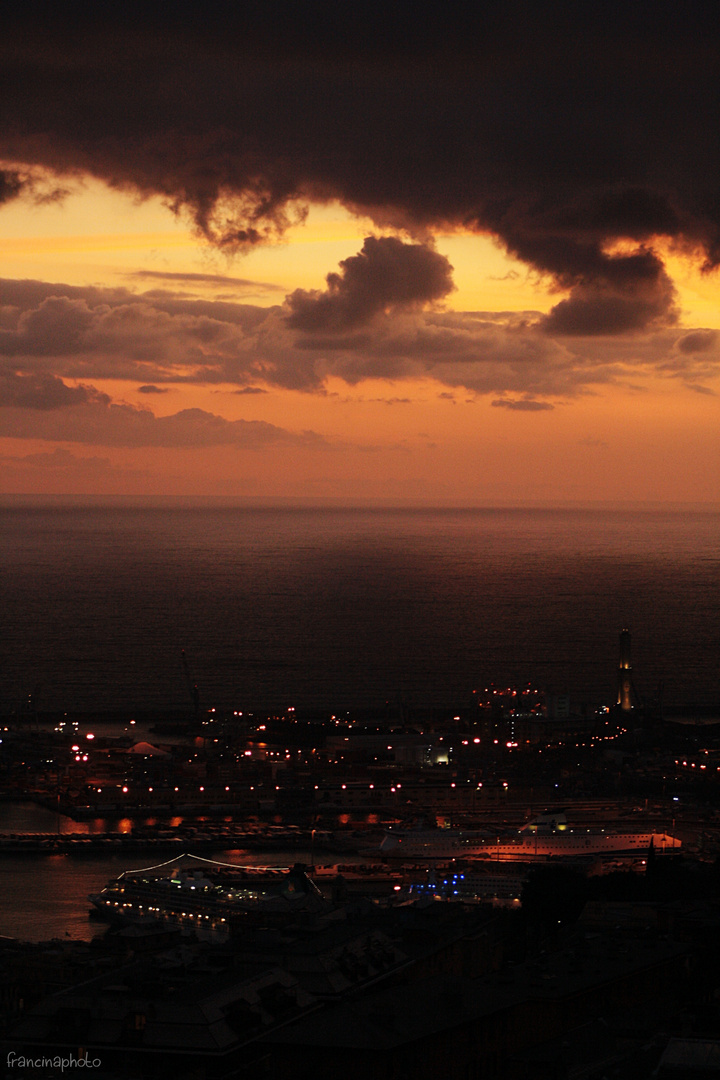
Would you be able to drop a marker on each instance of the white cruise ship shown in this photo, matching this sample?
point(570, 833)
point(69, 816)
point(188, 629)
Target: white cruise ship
point(548, 836)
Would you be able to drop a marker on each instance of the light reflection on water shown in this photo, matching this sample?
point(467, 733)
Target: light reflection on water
point(46, 897)
point(27, 817)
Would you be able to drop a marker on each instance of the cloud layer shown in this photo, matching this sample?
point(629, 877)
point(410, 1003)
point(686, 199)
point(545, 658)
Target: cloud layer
point(57, 342)
point(561, 130)
point(103, 423)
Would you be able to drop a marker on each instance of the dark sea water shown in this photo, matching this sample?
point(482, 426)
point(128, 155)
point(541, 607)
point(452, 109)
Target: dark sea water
point(326, 607)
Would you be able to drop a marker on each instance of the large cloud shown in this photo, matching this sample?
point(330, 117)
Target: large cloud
point(560, 129)
point(621, 295)
point(52, 336)
point(386, 275)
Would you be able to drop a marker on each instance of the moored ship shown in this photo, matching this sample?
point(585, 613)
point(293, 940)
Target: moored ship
point(367, 874)
point(548, 836)
point(207, 894)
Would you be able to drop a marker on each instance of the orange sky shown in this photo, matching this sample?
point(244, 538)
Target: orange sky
point(644, 430)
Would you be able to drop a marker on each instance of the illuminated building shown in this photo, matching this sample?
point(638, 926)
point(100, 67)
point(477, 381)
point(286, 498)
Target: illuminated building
point(626, 691)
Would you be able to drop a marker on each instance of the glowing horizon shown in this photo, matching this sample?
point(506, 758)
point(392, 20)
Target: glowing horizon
point(373, 428)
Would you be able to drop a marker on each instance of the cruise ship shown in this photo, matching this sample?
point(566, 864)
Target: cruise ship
point(547, 836)
point(207, 894)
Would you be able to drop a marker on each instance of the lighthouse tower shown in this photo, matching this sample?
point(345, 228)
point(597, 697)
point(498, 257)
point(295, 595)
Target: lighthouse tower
point(626, 690)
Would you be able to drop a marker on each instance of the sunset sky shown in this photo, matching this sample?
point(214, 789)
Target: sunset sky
point(336, 257)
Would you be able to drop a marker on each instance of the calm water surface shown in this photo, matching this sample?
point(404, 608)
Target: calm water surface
point(324, 607)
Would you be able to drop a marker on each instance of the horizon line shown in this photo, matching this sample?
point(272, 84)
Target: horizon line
point(280, 502)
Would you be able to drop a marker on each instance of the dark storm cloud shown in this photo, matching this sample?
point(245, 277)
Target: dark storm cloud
point(152, 389)
point(560, 129)
point(11, 185)
point(16, 184)
point(386, 275)
point(613, 295)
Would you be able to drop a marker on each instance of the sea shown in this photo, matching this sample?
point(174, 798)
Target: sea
point(121, 606)
point(327, 609)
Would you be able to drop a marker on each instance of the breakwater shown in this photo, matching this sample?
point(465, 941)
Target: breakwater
point(220, 839)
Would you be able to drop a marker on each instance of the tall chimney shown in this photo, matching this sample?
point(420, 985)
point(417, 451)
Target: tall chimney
point(626, 691)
